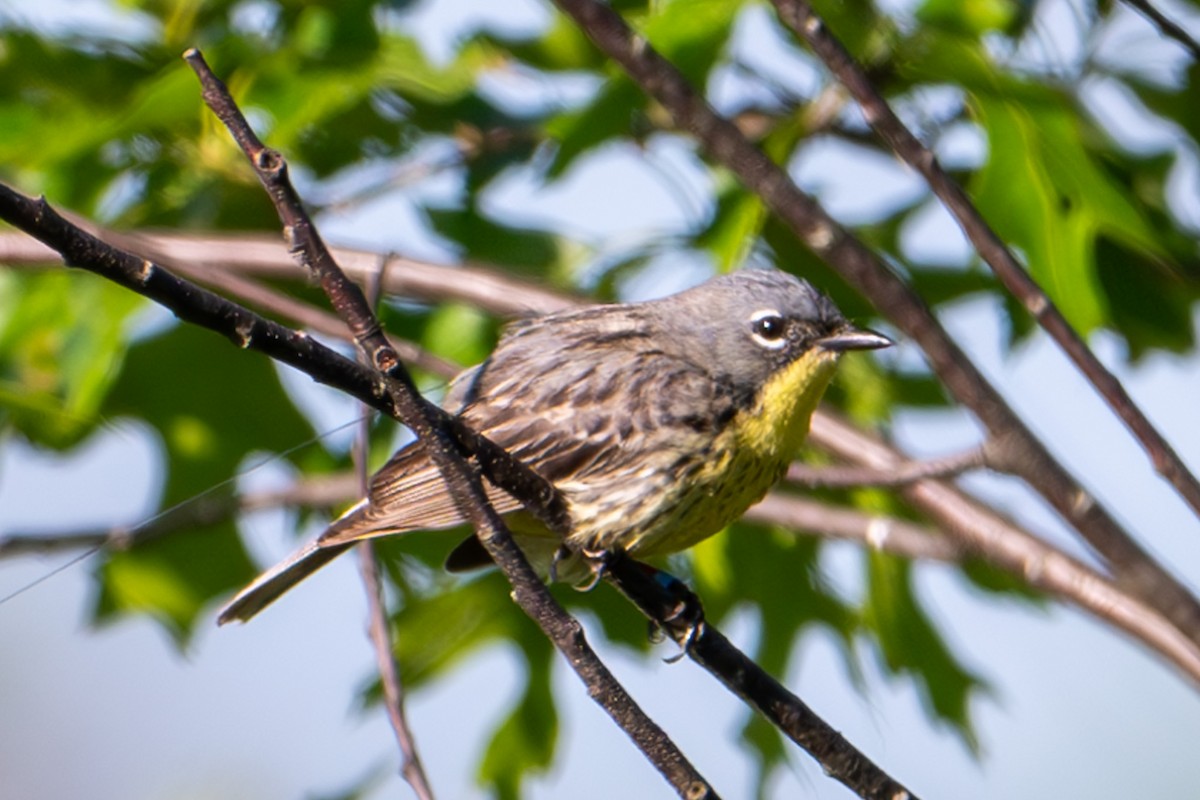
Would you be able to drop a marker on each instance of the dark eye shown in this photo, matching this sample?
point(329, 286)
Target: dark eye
point(768, 329)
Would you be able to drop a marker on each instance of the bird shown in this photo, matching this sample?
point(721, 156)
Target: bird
point(658, 422)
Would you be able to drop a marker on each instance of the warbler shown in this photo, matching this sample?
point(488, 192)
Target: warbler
point(658, 422)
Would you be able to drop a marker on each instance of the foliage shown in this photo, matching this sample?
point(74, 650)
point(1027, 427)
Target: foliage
point(112, 127)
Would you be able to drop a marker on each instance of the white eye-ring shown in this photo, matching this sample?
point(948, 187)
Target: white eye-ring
point(769, 328)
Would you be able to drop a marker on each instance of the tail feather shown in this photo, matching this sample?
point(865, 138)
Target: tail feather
point(269, 586)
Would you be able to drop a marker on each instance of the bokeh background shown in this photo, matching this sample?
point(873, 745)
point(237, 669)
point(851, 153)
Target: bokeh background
point(101, 702)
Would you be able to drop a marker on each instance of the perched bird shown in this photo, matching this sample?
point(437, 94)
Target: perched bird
point(658, 422)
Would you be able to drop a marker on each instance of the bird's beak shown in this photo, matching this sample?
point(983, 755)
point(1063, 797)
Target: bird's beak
point(852, 338)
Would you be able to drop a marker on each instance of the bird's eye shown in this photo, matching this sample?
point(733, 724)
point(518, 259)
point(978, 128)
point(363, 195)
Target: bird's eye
point(768, 329)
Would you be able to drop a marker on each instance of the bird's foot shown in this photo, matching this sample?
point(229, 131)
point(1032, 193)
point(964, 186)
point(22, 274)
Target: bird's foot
point(683, 619)
point(596, 561)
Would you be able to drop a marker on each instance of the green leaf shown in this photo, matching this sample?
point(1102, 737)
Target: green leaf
point(461, 333)
point(613, 113)
point(526, 250)
point(63, 337)
point(691, 34)
point(973, 17)
point(911, 644)
point(735, 226)
point(525, 741)
point(435, 630)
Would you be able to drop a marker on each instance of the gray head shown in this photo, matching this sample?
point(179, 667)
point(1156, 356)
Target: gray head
point(752, 322)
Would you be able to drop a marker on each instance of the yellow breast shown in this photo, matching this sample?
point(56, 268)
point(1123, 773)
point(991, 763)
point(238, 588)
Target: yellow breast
point(748, 458)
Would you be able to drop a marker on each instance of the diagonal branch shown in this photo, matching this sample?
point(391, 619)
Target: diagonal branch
point(196, 305)
point(1022, 452)
point(709, 648)
point(843, 477)
point(986, 534)
point(1167, 25)
point(804, 22)
point(447, 449)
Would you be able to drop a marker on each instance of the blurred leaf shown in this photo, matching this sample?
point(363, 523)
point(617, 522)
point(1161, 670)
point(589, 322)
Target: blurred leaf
point(1179, 106)
point(735, 227)
point(562, 47)
point(612, 114)
point(974, 17)
point(691, 34)
point(909, 643)
point(212, 405)
point(1151, 306)
point(523, 249)
point(525, 741)
point(62, 340)
point(434, 631)
point(461, 333)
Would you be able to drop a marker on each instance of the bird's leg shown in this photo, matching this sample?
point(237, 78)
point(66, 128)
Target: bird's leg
point(687, 613)
point(561, 554)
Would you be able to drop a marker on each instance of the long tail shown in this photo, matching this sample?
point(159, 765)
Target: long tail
point(269, 586)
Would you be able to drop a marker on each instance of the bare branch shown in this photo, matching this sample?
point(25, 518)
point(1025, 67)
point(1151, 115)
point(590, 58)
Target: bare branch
point(389, 674)
point(1169, 27)
point(258, 255)
point(885, 534)
point(843, 477)
point(858, 265)
point(436, 431)
point(378, 626)
point(709, 648)
point(804, 22)
point(986, 534)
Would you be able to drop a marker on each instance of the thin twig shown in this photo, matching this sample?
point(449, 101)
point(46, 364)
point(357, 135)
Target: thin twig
point(1169, 27)
point(378, 627)
point(1023, 452)
point(804, 22)
point(709, 648)
point(436, 434)
point(874, 531)
point(986, 534)
point(847, 477)
point(389, 673)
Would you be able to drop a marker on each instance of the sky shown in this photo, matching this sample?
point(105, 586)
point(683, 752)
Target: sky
point(268, 710)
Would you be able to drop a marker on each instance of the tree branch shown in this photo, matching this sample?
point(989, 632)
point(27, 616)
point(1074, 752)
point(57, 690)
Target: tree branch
point(709, 648)
point(1169, 27)
point(987, 535)
point(443, 444)
point(843, 477)
point(885, 534)
point(861, 268)
point(806, 24)
point(378, 627)
point(389, 675)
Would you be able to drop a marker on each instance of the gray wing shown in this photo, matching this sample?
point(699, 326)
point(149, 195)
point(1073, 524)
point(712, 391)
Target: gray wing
point(576, 396)
point(575, 402)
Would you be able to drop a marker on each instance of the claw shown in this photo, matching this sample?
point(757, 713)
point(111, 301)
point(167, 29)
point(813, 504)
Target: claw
point(695, 629)
point(598, 561)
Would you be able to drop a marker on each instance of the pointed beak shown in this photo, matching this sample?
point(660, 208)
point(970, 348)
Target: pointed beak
point(852, 338)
